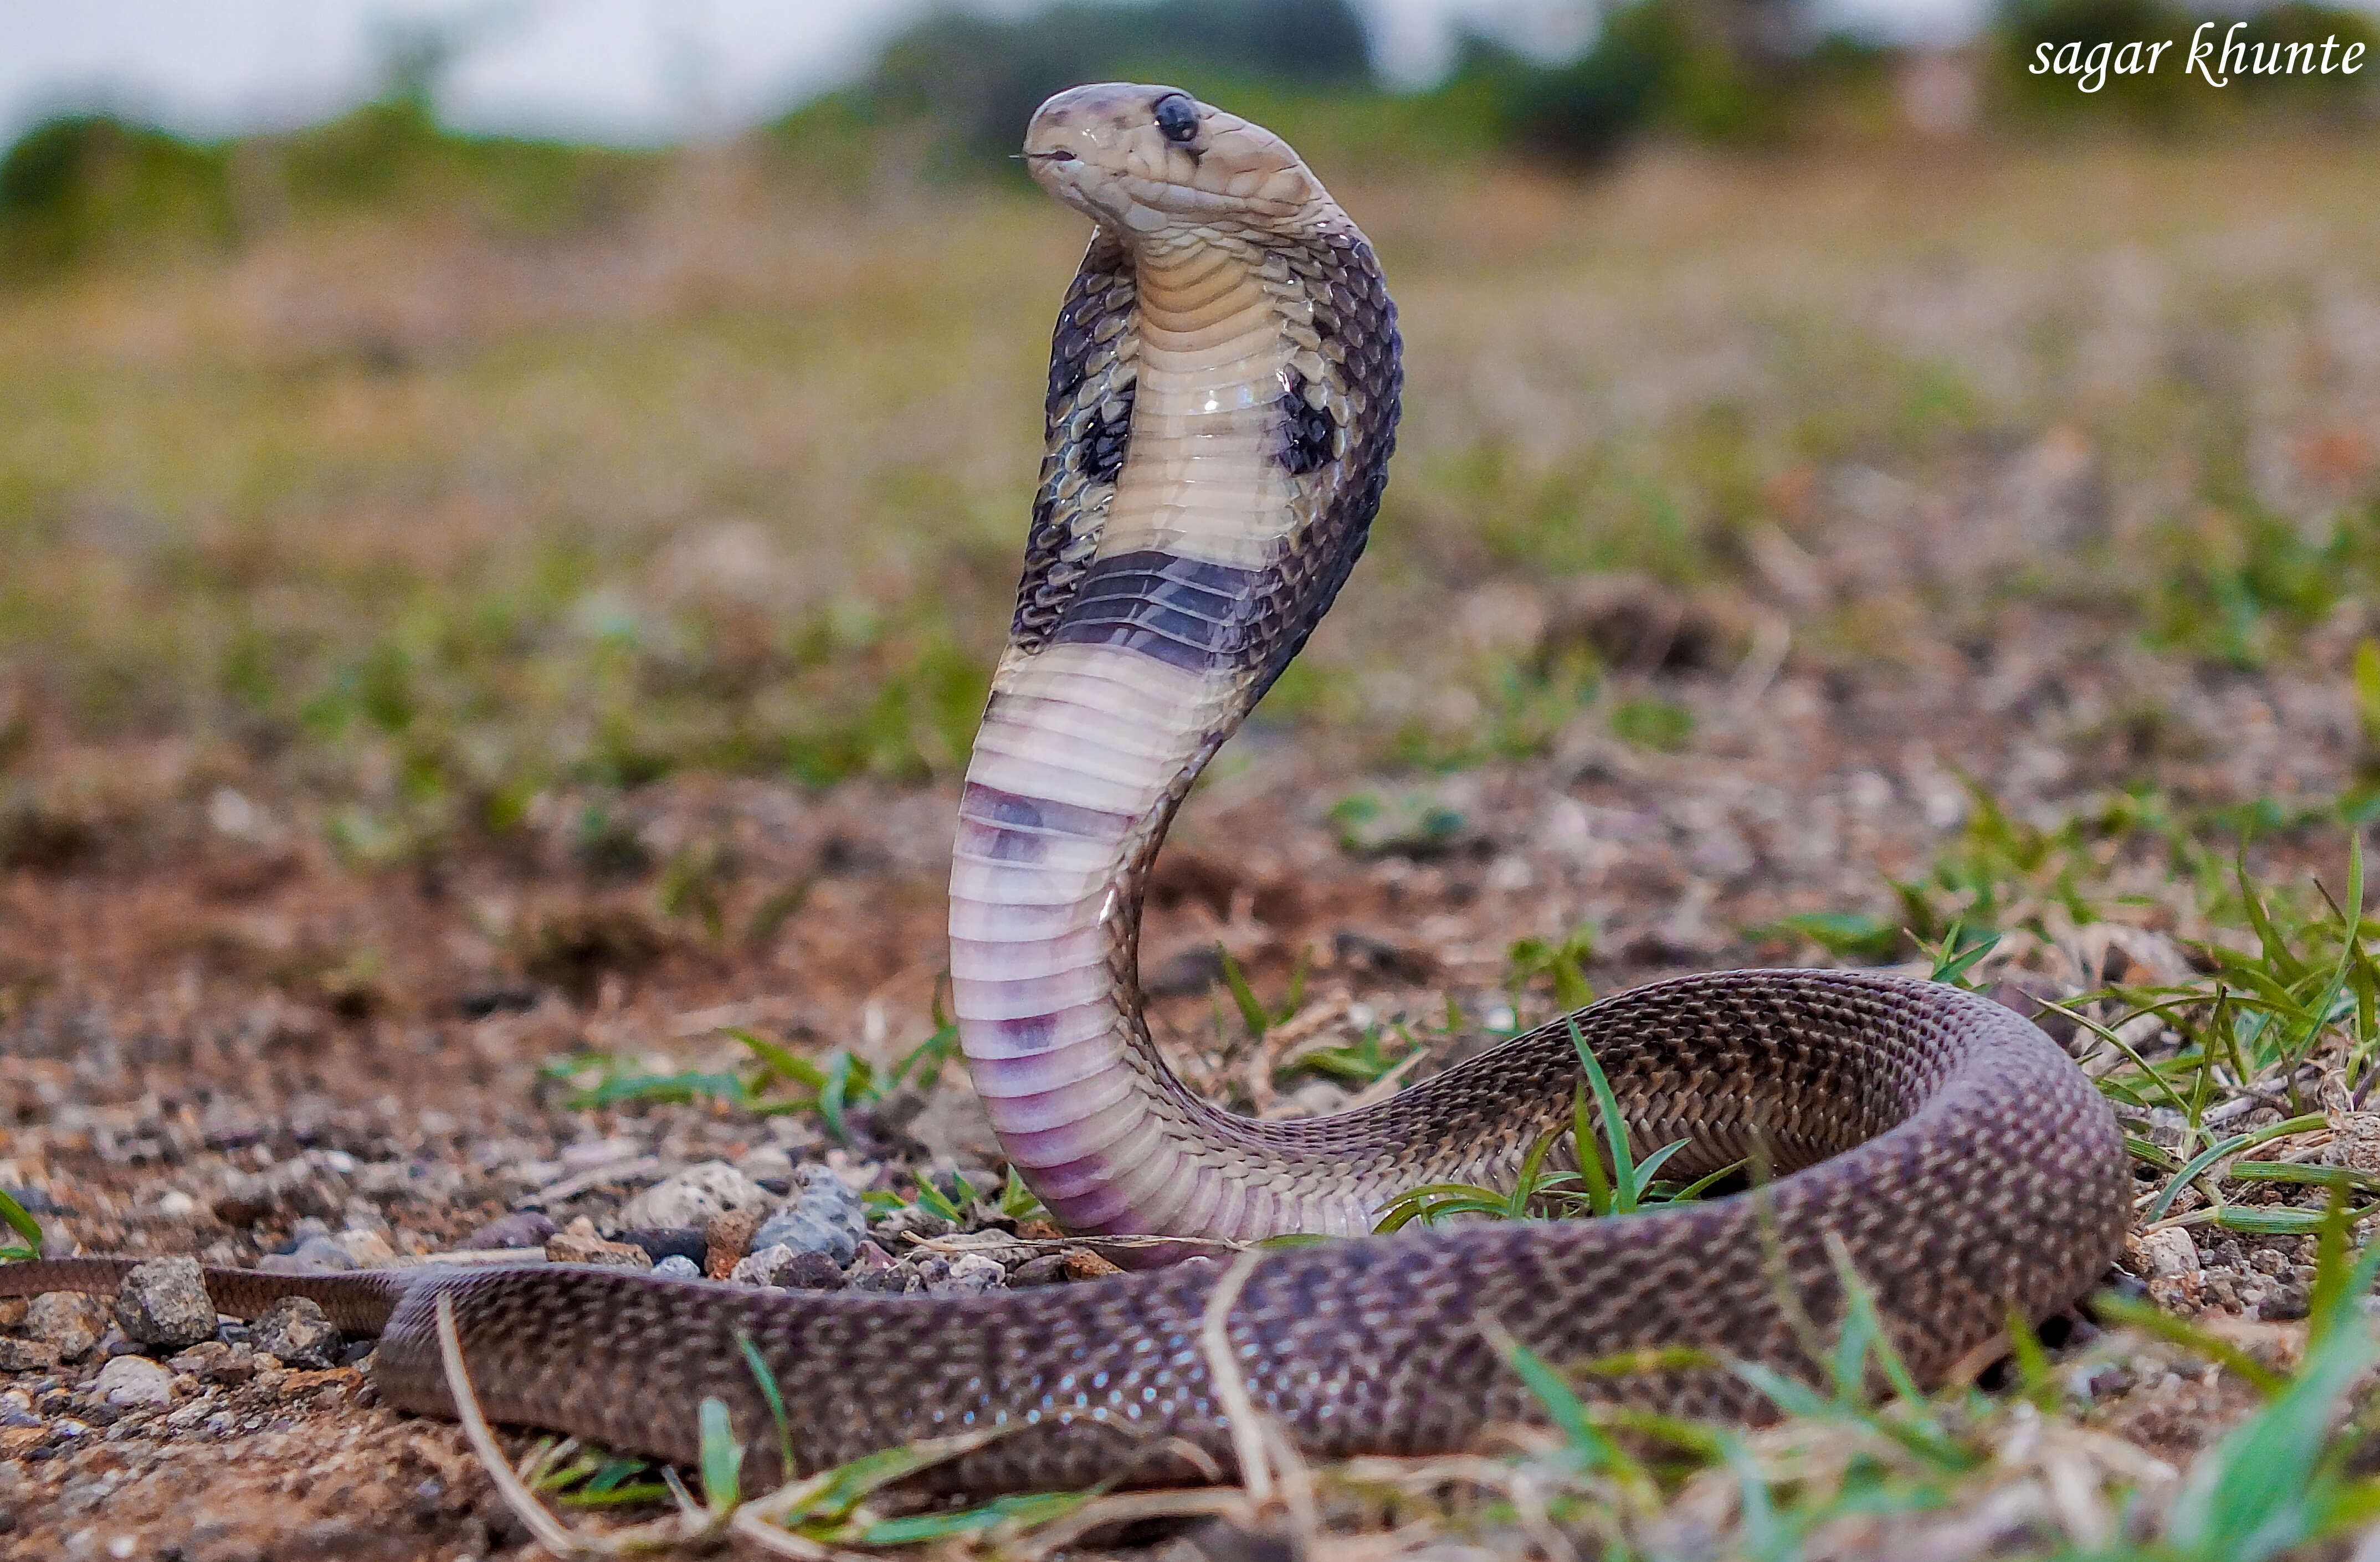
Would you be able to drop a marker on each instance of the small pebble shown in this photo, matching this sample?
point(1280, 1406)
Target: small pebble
point(314, 1255)
point(199, 1358)
point(824, 1216)
point(127, 1381)
point(26, 1355)
point(727, 1240)
point(2170, 1251)
point(295, 1331)
point(769, 1163)
point(894, 1279)
point(164, 1302)
point(173, 1204)
point(526, 1228)
point(691, 1197)
point(794, 1270)
point(678, 1266)
point(968, 1274)
point(365, 1249)
point(66, 1321)
point(1042, 1269)
point(665, 1242)
point(1082, 1264)
point(567, 1247)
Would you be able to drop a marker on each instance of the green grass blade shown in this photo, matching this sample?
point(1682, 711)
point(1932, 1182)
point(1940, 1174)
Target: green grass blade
point(24, 1225)
point(1252, 1009)
point(2263, 1489)
point(722, 1459)
point(768, 1382)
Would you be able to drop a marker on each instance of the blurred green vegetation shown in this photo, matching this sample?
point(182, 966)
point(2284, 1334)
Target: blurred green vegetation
point(442, 474)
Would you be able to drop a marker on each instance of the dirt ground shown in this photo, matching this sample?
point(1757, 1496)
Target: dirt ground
point(171, 1087)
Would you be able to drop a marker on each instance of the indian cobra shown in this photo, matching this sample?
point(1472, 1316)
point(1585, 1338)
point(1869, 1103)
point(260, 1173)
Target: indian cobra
point(1222, 400)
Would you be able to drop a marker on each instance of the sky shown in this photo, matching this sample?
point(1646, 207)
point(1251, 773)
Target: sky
point(626, 72)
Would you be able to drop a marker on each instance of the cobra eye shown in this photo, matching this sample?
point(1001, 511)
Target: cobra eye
point(1178, 117)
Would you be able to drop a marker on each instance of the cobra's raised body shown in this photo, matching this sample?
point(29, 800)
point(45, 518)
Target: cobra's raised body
point(1223, 403)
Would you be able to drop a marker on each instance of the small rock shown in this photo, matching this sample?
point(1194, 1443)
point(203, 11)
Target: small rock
point(595, 1154)
point(175, 1204)
point(130, 1381)
point(526, 1228)
point(69, 1322)
point(565, 1247)
point(825, 1217)
point(769, 1163)
point(26, 1355)
point(967, 1274)
point(12, 1313)
point(893, 1279)
point(678, 1266)
point(691, 1197)
point(792, 1269)
point(727, 1240)
point(199, 1358)
point(164, 1302)
point(2170, 1251)
point(314, 1255)
point(1082, 1264)
point(365, 1249)
point(294, 1331)
point(665, 1242)
point(1045, 1269)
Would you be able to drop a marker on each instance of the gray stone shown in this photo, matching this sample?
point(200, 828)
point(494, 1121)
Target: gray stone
point(826, 1217)
point(526, 1228)
point(26, 1355)
point(678, 1266)
point(1045, 1269)
point(130, 1381)
point(965, 1274)
point(691, 1197)
point(294, 1330)
point(164, 1302)
point(315, 1255)
point(790, 1268)
point(66, 1321)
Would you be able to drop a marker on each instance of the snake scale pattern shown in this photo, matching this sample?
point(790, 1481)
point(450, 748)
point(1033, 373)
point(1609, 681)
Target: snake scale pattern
point(1222, 400)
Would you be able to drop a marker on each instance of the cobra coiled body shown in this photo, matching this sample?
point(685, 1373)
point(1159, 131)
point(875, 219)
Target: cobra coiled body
point(1222, 406)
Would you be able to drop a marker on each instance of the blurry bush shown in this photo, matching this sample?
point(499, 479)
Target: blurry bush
point(92, 187)
point(91, 184)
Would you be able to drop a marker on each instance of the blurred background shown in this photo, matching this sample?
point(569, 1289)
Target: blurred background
point(450, 419)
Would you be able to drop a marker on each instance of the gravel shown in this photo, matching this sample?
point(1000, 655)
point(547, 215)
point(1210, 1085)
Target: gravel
point(163, 1303)
point(965, 1274)
point(825, 1217)
point(691, 1197)
point(295, 1331)
point(678, 1266)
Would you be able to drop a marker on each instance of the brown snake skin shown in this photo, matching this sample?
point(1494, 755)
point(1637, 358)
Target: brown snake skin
point(1954, 1155)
